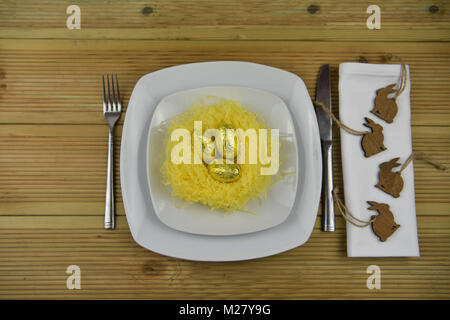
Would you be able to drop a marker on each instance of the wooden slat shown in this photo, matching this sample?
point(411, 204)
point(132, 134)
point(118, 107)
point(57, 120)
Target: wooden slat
point(35, 252)
point(49, 81)
point(404, 20)
point(53, 142)
point(65, 164)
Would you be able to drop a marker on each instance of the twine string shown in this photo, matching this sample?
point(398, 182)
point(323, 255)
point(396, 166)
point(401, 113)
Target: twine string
point(338, 122)
point(403, 75)
point(348, 216)
point(424, 157)
point(406, 163)
point(343, 210)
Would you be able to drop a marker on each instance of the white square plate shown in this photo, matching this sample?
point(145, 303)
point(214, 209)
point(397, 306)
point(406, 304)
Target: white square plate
point(148, 230)
point(198, 218)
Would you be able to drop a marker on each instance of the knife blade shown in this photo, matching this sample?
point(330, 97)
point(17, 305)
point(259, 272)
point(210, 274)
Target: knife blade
point(323, 95)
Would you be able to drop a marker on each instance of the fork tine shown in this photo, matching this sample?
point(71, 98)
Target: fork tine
point(119, 104)
point(104, 94)
point(109, 93)
point(113, 94)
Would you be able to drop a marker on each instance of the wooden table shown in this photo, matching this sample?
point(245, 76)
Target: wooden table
point(53, 142)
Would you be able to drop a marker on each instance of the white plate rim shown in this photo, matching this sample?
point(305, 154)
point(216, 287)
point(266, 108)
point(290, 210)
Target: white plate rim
point(219, 88)
point(315, 142)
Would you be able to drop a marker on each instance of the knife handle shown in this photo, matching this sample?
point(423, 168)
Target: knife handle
point(328, 224)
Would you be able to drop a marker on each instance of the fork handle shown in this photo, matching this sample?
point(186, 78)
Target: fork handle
point(109, 202)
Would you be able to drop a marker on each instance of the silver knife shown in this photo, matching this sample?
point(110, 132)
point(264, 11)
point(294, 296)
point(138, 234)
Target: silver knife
point(323, 94)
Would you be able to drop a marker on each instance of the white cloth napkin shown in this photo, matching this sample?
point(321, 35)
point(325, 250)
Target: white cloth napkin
point(358, 83)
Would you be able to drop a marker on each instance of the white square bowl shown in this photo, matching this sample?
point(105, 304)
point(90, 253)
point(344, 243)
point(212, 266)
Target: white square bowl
point(200, 219)
point(148, 230)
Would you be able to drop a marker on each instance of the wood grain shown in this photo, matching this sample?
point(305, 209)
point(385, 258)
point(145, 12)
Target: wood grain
point(35, 254)
point(67, 163)
point(58, 81)
point(53, 142)
point(402, 20)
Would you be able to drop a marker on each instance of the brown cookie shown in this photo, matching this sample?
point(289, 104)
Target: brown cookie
point(388, 181)
point(385, 108)
point(373, 142)
point(383, 224)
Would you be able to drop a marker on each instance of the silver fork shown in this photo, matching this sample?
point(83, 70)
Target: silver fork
point(112, 109)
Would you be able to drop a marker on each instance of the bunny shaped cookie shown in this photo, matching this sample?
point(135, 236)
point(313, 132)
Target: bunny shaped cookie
point(385, 108)
point(390, 182)
point(372, 142)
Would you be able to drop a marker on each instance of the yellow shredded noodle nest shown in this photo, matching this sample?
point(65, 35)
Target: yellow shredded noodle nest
point(193, 183)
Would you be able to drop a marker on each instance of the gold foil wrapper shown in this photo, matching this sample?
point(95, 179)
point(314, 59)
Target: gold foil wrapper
point(208, 148)
point(228, 143)
point(225, 172)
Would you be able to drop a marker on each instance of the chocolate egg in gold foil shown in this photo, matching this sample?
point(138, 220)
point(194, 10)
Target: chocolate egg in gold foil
point(227, 137)
point(208, 149)
point(225, 172)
